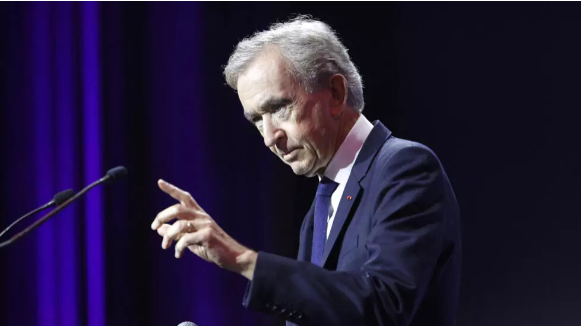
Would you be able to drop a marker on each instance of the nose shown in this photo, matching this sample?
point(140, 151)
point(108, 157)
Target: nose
point(270, 131)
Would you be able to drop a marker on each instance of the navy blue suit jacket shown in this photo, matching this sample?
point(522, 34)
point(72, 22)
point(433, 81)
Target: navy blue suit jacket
point(393, 253)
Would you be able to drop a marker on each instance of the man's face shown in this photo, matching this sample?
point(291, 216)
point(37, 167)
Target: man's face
point(296, 126)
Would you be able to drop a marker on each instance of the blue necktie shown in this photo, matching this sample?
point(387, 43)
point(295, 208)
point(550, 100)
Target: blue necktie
point(322, 205)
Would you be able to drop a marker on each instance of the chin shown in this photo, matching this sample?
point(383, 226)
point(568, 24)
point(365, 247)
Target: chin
point(298, 170)
point(303, 168)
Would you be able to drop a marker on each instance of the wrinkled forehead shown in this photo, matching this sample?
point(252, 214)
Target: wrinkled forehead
point(265, 80)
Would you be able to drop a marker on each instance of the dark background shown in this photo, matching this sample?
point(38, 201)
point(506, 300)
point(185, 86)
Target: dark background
point(493, 88)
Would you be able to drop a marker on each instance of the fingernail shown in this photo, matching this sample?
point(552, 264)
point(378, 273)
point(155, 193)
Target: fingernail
point(154, 225)
point(177, 254)
point(161, 181)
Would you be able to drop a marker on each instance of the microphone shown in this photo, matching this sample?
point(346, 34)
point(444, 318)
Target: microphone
point(61, 197)
point(58, 199)
point(111, 176)
point(187, 323)
point(114, 175)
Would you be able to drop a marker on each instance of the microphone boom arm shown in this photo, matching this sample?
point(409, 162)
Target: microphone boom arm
point(52, 213)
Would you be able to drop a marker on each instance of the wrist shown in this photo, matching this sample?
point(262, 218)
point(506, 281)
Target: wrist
point(247, 263)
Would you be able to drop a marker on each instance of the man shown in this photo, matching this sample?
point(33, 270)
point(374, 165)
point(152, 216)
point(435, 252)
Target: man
point(381, 242)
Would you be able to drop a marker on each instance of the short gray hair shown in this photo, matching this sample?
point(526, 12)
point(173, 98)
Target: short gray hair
point(312, 50)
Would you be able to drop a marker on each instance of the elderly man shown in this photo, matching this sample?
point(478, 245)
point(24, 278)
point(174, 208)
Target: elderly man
point(381, 242)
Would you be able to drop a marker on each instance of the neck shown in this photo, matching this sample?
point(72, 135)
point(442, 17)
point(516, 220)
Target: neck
point(346, 122)
point(349, 119)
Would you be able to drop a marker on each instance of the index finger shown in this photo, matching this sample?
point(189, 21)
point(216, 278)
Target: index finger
point(183, 197)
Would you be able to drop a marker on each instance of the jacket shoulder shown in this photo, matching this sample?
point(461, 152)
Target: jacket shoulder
point(405, 149)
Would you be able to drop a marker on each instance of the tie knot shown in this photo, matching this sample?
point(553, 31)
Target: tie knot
point(326, 187)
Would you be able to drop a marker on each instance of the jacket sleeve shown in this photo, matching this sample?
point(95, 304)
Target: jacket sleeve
point(403, 247)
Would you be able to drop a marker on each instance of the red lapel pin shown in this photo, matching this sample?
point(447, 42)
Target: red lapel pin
point(349, 197)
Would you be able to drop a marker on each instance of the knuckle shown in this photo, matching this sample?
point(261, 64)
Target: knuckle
point(184, 210)
point(171, 233)
point(206, 233)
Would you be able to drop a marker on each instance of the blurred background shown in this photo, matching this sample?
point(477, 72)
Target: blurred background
point(493, 88)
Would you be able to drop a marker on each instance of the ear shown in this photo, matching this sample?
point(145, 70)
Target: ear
point(339, 92)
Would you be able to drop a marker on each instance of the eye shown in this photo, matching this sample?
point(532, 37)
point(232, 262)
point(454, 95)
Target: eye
point(255, 119)
point(281, 112)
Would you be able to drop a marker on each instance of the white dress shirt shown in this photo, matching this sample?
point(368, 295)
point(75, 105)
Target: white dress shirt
point(341, 164)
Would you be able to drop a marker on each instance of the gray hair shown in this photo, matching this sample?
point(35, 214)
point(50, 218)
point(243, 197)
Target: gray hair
point(312, 50)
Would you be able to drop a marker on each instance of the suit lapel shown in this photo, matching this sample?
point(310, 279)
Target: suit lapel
point(353, 188)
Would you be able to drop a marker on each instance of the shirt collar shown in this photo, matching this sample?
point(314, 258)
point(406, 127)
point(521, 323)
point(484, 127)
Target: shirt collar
point(342, 162)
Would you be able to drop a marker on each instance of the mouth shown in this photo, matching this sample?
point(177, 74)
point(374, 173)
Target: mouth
point(290, 155)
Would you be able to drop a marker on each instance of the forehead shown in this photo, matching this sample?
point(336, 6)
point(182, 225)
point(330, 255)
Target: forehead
point(264, 80)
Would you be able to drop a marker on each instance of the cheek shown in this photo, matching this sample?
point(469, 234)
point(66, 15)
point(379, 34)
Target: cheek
point(312, 123)
point(313, 134)
point(305, 127)
point(300, 135)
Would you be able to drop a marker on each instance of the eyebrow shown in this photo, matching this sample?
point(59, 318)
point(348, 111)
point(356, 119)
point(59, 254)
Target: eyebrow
point(269, 105)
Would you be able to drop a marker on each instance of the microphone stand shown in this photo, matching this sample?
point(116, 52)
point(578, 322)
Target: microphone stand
point(53, 212)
